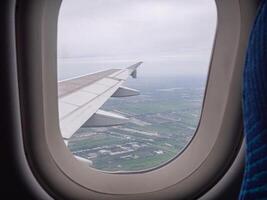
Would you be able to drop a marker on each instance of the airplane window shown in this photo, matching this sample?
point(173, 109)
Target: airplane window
point(131, 79)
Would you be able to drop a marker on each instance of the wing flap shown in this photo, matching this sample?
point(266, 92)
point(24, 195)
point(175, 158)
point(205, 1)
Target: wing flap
point(125, 92)
point(78, 98)
point(103, 119)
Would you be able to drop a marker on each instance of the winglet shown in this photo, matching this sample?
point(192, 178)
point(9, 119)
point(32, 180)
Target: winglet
point(133, 69)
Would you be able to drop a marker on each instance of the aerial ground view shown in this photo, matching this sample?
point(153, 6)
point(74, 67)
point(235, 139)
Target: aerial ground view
point(163, 120)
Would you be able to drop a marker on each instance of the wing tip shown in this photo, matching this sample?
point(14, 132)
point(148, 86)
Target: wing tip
point(135, 66)
point(133, 69)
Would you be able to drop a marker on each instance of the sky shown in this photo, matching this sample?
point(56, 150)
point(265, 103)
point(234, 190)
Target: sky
point(171, 37)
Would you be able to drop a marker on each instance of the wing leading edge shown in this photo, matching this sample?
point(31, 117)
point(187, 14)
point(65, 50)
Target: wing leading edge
point(81, 98)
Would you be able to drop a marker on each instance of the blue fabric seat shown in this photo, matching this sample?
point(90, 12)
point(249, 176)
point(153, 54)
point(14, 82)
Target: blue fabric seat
point(255, 110)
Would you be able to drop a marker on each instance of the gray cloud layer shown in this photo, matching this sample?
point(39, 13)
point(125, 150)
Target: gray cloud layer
point(177, 34)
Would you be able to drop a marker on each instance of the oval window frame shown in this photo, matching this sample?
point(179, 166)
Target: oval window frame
point(200, 165)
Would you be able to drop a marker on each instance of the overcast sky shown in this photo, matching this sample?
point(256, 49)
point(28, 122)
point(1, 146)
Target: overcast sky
point(170, 36)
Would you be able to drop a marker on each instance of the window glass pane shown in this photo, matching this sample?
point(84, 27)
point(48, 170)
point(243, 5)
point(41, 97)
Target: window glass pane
point(173, 39)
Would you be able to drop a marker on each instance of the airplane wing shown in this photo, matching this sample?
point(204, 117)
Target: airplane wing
point(80, 99)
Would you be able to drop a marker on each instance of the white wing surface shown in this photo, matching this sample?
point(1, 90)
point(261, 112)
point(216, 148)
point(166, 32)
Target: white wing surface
point(81, 98)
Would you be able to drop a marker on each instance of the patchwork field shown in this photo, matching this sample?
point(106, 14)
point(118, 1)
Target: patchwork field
point(163, 120)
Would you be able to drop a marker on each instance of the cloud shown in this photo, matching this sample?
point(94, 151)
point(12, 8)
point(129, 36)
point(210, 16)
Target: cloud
point(178, 32)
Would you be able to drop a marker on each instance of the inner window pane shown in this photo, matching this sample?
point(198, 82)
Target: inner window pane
point(173, 39)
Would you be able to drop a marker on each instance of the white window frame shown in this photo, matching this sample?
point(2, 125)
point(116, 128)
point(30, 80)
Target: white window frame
point(198, 168)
